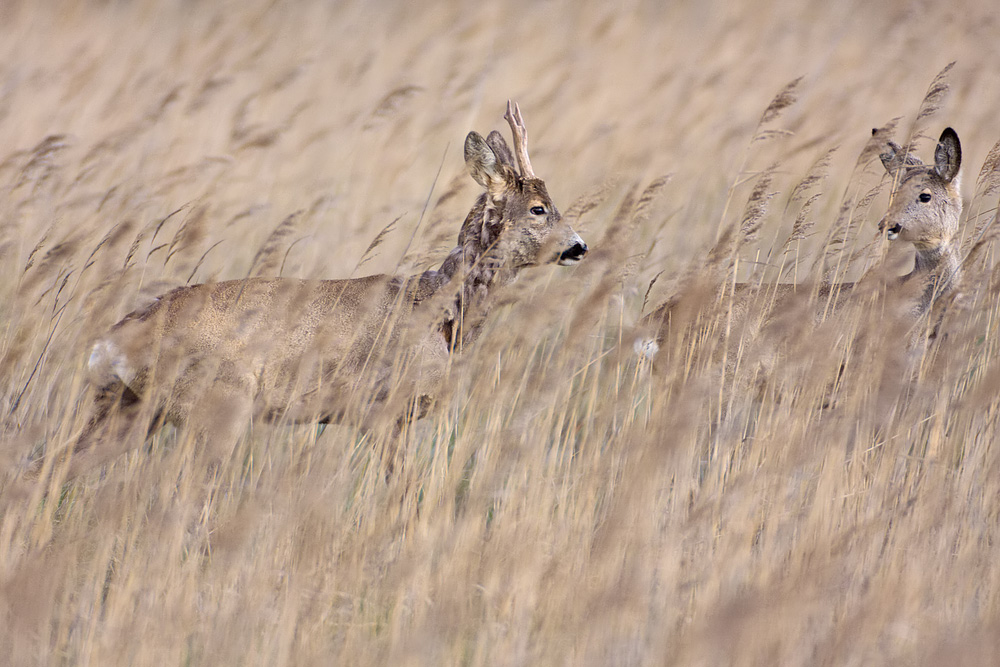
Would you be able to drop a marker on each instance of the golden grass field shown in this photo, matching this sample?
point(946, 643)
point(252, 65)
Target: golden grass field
point(563, 504)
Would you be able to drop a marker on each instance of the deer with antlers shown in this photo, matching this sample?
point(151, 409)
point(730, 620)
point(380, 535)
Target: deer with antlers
point(355, 350)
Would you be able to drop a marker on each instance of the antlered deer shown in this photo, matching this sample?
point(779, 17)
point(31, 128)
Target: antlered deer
point(325, 350)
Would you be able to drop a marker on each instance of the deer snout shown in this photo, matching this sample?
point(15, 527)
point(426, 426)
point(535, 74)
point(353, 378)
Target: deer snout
point(892, 232)
point(574, 253)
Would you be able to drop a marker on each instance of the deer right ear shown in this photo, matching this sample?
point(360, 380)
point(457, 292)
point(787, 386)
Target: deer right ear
point(894, 159)
point(890, 158)
point(484, 165)
point(500, 148)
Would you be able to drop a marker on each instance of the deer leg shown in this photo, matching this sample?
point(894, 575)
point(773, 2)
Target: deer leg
point(417, 408)
point(115, 413)
point(121, 420)
point(220, 417)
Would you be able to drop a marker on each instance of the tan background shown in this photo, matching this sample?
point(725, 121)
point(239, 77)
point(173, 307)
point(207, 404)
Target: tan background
point(571, 512)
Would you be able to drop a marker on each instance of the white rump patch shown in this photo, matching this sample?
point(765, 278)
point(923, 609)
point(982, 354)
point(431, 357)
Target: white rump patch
point(646, 348)
point(107, 359)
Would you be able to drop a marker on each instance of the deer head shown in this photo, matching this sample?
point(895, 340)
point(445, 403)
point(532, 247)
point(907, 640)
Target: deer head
point(926, 203)
point(519, 225)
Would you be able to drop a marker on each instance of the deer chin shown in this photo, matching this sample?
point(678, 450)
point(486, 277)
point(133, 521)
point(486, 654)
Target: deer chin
point(893, 233)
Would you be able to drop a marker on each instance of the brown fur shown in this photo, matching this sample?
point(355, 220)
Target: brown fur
point(931, 226)
point(324, 350)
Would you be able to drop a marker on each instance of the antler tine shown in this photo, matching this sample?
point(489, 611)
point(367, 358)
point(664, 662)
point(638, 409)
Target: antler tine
point(517, 128)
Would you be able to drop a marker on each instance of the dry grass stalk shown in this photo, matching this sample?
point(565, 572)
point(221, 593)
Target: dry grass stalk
point(562, 505)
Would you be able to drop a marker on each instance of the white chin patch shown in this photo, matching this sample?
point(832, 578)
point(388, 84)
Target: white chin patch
point(892, 236)
point(569, 261)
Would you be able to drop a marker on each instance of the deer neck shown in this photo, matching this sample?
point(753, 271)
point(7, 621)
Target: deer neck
point(475, 269)
point(939, 267)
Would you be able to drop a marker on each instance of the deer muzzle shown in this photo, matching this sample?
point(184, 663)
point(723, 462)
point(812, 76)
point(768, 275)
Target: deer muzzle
point(891, 232)
point(574, 253)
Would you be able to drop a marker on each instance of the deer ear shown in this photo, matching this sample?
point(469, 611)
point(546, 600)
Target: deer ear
point(891, 159)
point(948, 156)
point(484, 165)
point(496, 141)
point(894, 158)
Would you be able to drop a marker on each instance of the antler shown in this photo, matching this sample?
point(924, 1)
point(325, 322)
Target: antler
point(516, 122)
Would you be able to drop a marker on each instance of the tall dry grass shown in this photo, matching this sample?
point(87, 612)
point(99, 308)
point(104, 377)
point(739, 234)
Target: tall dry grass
point(563, 505)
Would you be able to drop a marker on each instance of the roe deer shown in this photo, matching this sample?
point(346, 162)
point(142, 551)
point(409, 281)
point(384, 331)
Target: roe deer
point(325, 350)
point(924, 209)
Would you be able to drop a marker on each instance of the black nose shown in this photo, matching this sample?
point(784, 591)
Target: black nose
point(574, 253)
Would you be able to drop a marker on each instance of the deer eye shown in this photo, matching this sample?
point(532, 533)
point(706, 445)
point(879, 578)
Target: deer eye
point(537, 210)
point(924, 197)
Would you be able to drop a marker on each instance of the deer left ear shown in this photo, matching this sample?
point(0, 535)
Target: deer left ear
point(948, 156)
point(485, 166)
